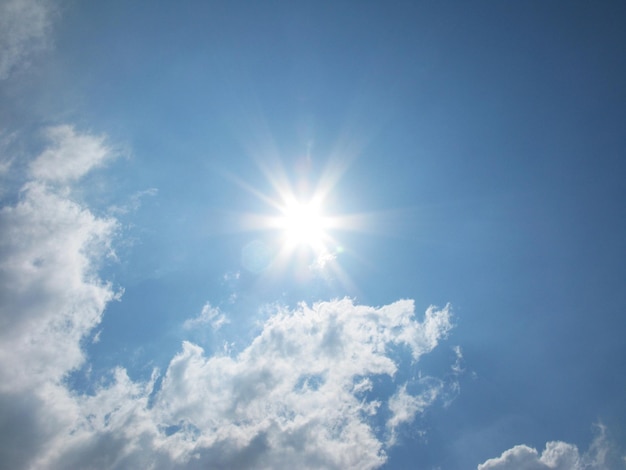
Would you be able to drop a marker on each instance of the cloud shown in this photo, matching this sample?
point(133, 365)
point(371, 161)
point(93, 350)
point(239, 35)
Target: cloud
point(6, 139)
point(24, 30)
point(50, 250)
point(51, 297)
point(296, 396)
point(556, 455)
point(457, 367)
point(321, 260)
point(559, 455)
point(404, 406)
point(70, 155)
point(208, 316)
point(133, 203)
point(297, 392)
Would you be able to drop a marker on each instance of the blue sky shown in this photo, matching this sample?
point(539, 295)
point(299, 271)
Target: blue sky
point(312, 235)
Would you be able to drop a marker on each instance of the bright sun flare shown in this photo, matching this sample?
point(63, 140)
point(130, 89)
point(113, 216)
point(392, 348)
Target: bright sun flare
point(303, 224)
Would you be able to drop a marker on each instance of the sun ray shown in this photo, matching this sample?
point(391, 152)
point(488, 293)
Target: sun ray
point(301, 227)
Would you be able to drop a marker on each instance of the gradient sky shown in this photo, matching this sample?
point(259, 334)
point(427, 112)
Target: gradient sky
point(464, 307)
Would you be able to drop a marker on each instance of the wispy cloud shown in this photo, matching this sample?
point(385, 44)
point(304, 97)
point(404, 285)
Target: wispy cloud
point(69, 156)
point(457, 367)
point(209, 315)
point(321, 260)
point(133, 203)
point(404, 406)
point(24, 30)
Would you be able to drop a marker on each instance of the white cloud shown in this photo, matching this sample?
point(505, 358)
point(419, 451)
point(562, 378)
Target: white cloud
point(296, 396)
point(296, 393)
point(6, 160)
point(133, 203)
point(208, 316)
point(457, 367)
point(404, 406)
point(24, 30)
point(70, 155)
point(558, 456)
point(51, 297)
point(231, 276)
point(321, 260)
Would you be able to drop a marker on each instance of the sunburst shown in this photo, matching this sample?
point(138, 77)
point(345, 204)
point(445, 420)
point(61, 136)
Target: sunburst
point(304, 224)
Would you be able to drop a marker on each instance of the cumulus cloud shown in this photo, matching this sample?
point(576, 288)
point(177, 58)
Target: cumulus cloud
point(24, 30)
point(556, 455)
point(51, 295)
point(559, 455)
point(296, 394)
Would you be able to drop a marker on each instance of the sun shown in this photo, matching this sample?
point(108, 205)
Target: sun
point(302, 230)
point(303, 224)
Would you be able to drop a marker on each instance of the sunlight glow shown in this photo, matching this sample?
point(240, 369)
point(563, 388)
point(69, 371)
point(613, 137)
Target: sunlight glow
point(303, 224)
